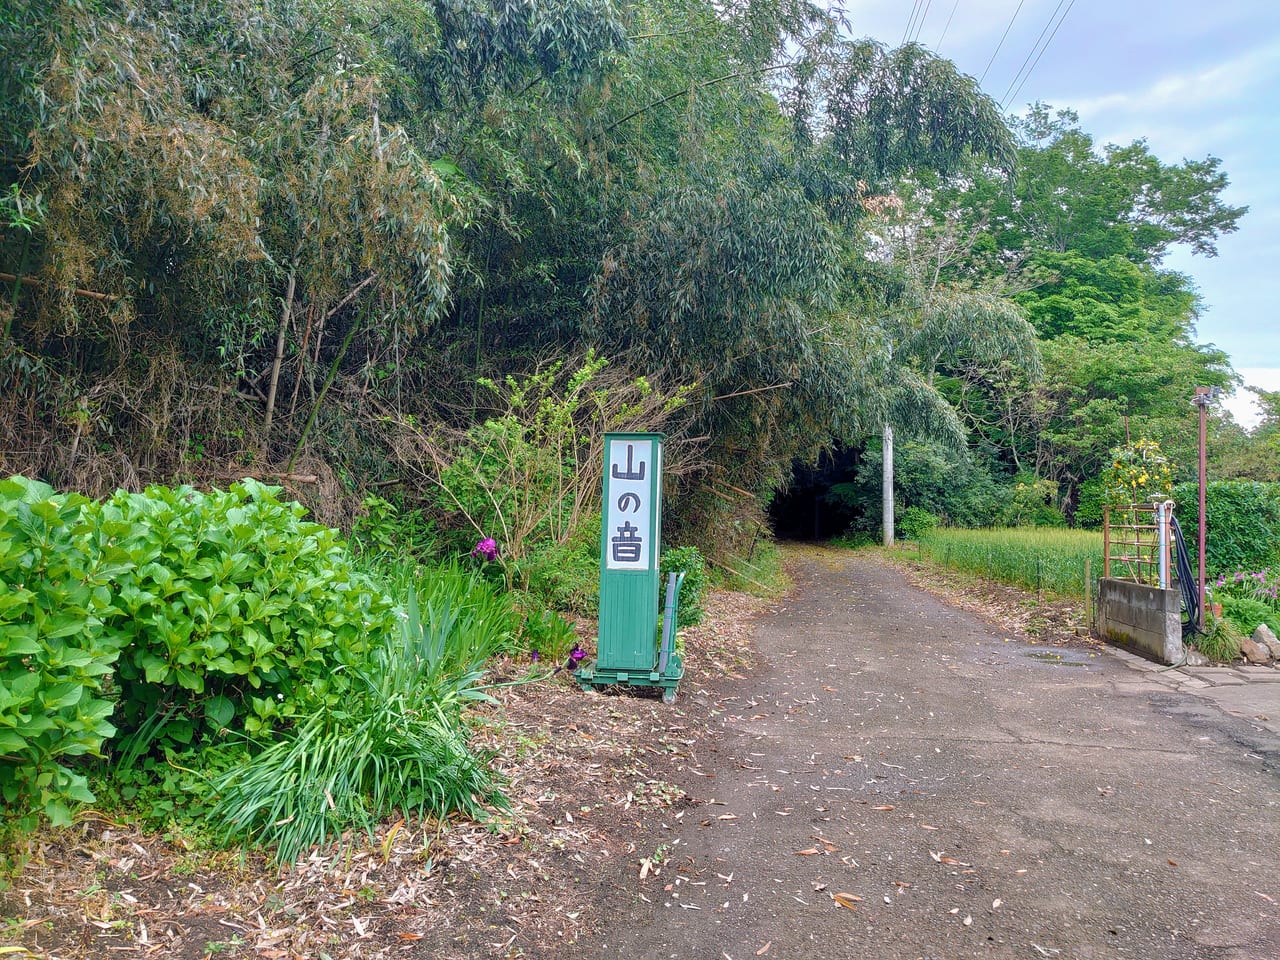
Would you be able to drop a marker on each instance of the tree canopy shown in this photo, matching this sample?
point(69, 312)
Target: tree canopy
point(247, 237)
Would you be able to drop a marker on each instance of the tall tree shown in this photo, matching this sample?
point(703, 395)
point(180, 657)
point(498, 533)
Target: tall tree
point(1079, 233)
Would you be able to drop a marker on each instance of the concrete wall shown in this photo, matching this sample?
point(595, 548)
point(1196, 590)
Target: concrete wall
point(1146, 620)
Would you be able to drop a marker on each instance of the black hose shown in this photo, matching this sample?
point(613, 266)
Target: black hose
point(1187, 581)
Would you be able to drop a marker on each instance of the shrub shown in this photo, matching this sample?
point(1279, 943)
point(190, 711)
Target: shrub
point(1243, 523)
point(915, 521)
point(532, 475)
point(393, 744)
point(694, 566)
point(1139, 472)
point(58, 640)
point(386, 533)
point(1032, 504)
point(1246, 614)
point(1220, 642)
point(547, 634)
point(565, 576)
point(930, 475)
point(1261, 585)
point(237, 611)
point(1091, 497)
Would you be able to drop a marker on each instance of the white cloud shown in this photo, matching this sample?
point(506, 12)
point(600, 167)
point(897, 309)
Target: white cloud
point(1242, 404)
point(1223, 82)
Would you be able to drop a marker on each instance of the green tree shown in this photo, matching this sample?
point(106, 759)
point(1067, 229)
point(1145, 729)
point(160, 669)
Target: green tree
point(1072, 195)
point(1235, 454)
point(1079, 234)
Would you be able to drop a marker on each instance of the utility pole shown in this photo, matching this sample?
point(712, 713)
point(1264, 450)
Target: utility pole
point(886, 481)
point(1203, 397)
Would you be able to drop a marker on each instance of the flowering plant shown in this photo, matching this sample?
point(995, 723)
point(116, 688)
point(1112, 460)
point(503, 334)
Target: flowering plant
point(1139, 473)
point(486, 549)
point(1261, 585)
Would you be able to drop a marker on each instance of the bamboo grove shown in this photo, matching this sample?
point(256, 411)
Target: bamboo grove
point(291, 237)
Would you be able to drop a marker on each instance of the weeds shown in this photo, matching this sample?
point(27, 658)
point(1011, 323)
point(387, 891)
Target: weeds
point(1221, 640)
point(1034, 558)
point(396, 744)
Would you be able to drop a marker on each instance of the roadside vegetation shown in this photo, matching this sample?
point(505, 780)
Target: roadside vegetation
point(1038, 559)
point(1242, 555)
point(313, 319)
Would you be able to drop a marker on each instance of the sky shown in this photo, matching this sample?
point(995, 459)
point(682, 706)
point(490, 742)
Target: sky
point(1192, 78)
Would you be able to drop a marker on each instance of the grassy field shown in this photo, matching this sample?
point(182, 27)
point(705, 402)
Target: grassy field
point(1035, 558)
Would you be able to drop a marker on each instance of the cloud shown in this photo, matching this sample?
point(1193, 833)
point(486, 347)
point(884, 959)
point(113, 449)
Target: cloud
point(1242, 404)
point(1223, 82)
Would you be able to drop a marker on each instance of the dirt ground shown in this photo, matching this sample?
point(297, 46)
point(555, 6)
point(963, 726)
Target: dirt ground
point(584, 772)
point(591, 779)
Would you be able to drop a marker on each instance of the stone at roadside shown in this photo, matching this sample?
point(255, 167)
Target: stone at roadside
point(1255, 652)
point(1196, 659)
point(1264, 636)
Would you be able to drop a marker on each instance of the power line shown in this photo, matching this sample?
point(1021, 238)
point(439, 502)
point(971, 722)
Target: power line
point(923, 16)
point(1008, 98)
point(1032, 52)
point(947, 27)
point(1001, 43)
point(910, 21)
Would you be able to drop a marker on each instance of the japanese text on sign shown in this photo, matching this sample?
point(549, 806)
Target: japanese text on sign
point(627, 514)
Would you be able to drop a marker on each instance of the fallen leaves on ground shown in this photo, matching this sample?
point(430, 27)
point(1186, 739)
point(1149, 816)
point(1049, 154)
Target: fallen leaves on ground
point(587, 777)
point(847, 900)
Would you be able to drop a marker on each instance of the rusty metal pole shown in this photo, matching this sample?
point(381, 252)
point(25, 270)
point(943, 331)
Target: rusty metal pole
point(1106, 541)
point(1202, 398)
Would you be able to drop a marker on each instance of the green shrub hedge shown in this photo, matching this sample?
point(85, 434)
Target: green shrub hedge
point(235, 609)
point(1243, 523)
point(59, 638)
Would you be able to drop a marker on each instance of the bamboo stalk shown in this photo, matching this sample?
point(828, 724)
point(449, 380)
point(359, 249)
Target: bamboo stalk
point(275, 364)
point(32, 281)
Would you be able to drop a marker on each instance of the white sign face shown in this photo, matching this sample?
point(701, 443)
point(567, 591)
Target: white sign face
point(632, 474)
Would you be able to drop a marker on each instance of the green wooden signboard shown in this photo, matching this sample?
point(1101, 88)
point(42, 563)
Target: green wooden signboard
point(629, 649)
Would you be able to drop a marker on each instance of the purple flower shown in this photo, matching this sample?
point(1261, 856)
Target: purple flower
point(535, 656)
point(576, 656)
point(486, 549)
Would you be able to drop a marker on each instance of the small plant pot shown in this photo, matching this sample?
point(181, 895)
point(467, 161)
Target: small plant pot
point(1216, 608)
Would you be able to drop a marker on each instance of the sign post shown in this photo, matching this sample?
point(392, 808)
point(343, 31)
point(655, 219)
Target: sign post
point(627, 648)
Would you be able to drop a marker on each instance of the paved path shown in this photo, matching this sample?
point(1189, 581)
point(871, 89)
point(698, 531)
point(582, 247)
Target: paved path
point(972, 795)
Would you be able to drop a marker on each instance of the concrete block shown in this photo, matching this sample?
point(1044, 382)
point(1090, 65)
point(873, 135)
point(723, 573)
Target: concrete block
point(1141, 618)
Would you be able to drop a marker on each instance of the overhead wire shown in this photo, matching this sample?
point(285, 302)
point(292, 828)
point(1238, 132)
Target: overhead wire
point(950, 16)
point(1034, 47)
point(915, 8)
point(1003, 36)
point(920, 24)
point(1009, 97)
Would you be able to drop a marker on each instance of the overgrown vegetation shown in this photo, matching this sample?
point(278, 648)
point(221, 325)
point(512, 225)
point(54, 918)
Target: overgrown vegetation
point(413, 260)
point(1243, 523)
point(216, 652)
point(689, 562)
point(1220, 640)
point(1041, 559)
point(57, 647)
point(394, 744)
point(1249, 598)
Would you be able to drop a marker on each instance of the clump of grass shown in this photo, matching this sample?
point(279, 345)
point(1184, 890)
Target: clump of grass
point(761, 574)
point(1221, 640)
point(395, 744)
point(1051, 559)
